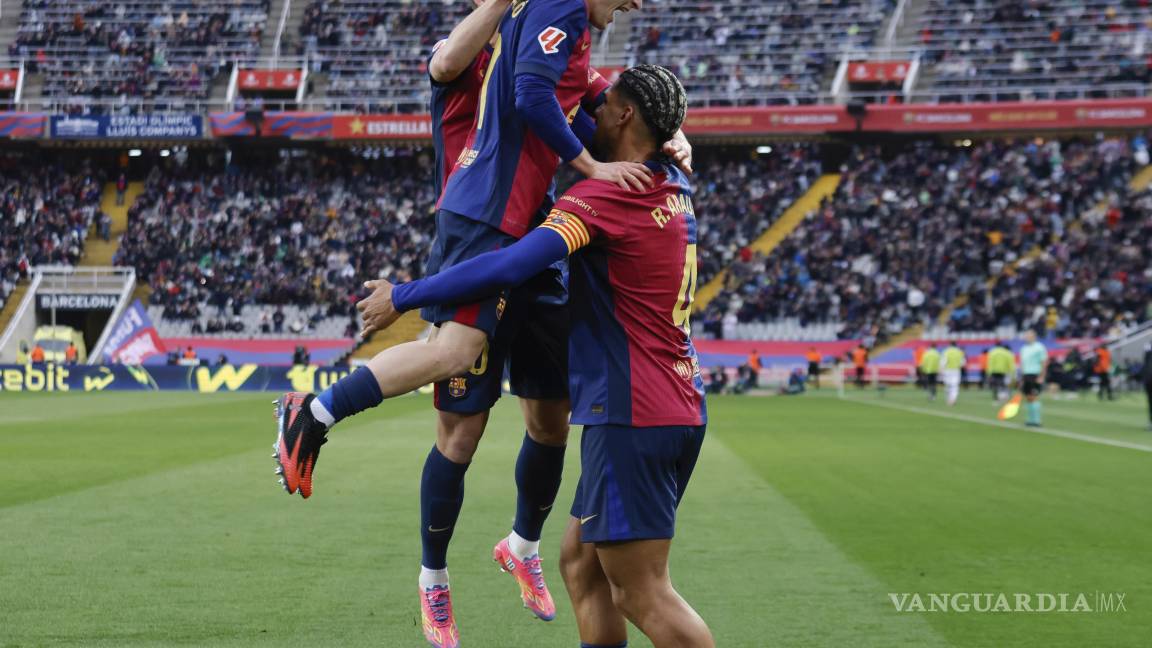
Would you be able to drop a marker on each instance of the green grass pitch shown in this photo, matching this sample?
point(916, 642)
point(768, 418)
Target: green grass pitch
point(155, 520)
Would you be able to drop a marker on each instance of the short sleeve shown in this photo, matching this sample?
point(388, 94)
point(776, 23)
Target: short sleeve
point(549, 33)
point(585, 214)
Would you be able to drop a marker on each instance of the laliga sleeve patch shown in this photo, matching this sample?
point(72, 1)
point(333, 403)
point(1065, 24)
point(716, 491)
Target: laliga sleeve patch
point(550, 39)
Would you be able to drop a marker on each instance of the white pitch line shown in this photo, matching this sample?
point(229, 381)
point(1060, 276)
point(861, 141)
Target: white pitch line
point(1064, 434)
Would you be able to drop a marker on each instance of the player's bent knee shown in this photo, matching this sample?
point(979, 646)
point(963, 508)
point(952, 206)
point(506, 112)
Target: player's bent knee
point(546, 420)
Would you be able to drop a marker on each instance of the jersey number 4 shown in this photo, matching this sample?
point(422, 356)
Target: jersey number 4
point(687, 292)
point(550, 40)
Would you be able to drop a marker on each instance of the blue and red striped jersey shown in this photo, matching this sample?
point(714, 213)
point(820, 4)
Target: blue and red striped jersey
point(453, 108)
point(503, 174)
point(631, 359)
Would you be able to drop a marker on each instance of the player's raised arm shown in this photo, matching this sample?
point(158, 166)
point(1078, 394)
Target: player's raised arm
point(541, 60)
point(454, 54)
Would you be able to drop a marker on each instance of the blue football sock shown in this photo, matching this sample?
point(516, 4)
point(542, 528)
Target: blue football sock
point(351, 394)
point(441, 496)
point(538, 471)
point(588, 645)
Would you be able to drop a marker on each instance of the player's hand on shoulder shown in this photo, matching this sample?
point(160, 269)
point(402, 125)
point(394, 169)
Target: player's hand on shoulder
point(680, 151)
point(377, 309)
point(627, 175)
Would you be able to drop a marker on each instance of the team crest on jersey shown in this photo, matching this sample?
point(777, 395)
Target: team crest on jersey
point(683, 369)
point(457, 387)
point(500, 305)
point(550, 39)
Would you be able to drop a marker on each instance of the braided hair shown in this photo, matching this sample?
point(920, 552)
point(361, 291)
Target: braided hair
point(660, 97)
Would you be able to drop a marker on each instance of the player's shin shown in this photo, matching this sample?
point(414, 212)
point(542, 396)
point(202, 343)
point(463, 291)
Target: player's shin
point(539, 469)
point(441, 497)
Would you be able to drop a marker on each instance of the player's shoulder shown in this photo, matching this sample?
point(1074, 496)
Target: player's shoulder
point(588, 197)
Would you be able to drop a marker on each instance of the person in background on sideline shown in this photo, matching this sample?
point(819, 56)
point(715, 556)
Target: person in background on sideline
point(860, 361)
point(1146, 374)
point(1001, 370)
point(71, 354)
point(1033, 367)
point(1103, 371)
point(929, 369)
point(953, 373)
point(754, 367)
point(814, 359)
point(917, 357)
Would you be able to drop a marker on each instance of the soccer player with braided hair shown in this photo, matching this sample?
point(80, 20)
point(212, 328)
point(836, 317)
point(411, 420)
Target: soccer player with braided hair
point(633, 372)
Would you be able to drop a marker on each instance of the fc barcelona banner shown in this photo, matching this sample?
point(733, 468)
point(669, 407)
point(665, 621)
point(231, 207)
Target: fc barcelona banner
point(203, 379)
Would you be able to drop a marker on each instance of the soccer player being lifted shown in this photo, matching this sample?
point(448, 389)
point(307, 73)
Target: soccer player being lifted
point(634, 376)
point(537, 74)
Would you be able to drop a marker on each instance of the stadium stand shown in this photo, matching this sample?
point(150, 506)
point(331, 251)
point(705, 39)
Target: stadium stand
point(134, 53)
point(1092, 281)
point(374, 52)
point(739, 199)
point(732, 53)
point(904, 236)
point(46, 213)
point(300, 236)
point(194, 235)
point(1007, 50)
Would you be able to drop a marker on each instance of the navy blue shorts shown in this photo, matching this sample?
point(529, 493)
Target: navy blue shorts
point(459, 239)
point(538, 339)
point(632, 480)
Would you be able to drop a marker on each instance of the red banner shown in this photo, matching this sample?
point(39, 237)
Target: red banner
point(756, 121)
point(878, 71)
point(1010, 116)
point(402, 127)
point(269, 79)
point(9, 79)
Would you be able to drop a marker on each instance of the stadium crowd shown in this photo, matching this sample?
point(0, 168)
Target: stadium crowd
point(248, 235)
point(908, 236)
point(126, 49)
point(732, 53)
point(375, 51)
point(306, 232)
point(46, 214)
point(905, 235)
point(1052, 49)
point(737, 199)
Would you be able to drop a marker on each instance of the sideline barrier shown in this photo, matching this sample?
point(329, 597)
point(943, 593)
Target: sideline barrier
point(203, 379)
